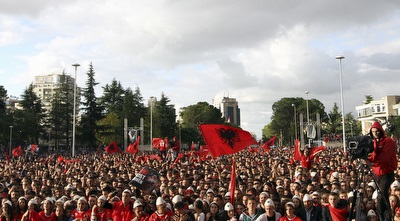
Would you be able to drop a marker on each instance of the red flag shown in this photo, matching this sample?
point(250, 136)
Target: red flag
point(317, 150)
point(192, 146)
point(224, 140)
point(269, 143)
point(157, 142)
point(8, 158)
point(233, 181)
point(33, 147)
point(60, 159)
point(17, 151)
point(297, 155)
point(133, 147)
point(112, 147)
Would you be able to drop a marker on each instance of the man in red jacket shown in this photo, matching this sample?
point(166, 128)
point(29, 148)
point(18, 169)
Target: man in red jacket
point(384, 163)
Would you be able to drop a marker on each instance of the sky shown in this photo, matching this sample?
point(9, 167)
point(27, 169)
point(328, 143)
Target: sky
point(257, 51)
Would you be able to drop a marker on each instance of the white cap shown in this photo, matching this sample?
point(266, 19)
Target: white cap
point(372, 184)
point(228, 194)
point(102, 197)
point(307, 197)
point(313, 174)
point(375, 195)
point(76, 197)
point(69, 187)
point(228, 207)
point(350, 194)
point(269, 202)
point(191, 207)
point(160, 201)
point(127, 191)
point(395, 184)
point(137, 203)
point(290, 203)
point(22, 198)
point(82, 199)
point(264, 193)
point(32, 201)
point(315, 193)
point(279, 187)
point(296, 197)
point(371, 213)
point(8, 202)
point(335, 174)
point(210, 191)
point(177, 198)
point(296, 174)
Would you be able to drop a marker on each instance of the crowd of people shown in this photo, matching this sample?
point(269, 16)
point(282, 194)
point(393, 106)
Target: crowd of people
point(269, 186)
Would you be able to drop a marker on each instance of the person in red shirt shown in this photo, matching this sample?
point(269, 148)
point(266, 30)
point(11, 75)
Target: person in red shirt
point(162, 213)
point(384, 163)
point(82, 211)
point(122, 209)
point(334, 211)
point(138, 213)
point(47, 213)
point(99, 212)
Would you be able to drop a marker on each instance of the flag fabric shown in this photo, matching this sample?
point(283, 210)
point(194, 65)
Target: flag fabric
point(269, 143)
point(60, 159)
point(224, 140)
point(233, 181)
point(192, 146)
point(134, 147)
point(17, 151)
point(146, 179)
point(7, 158)
point(33, 148)
point(297, 155)
point(157, 143)
point(316, 150)
point(112, 147)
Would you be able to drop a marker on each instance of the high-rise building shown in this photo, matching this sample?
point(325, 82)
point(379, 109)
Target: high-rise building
point(229, 109)
point(45, 86)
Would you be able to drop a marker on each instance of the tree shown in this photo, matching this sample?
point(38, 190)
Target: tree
point(133, 107)
point(353, 126)
point(110, 129)
point(60, 114)
point(368, 99)
point(91, 111)
point(334, 120)
point(282, 120)
point(29, 119)
point(112, 98)
point(194, 115)
point(5, 117)
point(167, 117)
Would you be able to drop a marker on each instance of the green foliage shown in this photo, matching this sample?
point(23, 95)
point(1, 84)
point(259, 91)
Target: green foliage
point(110, 129)
point(194, 115)
point(59, 120)
point(92, 112)
point(112, 98)
point(334, 121)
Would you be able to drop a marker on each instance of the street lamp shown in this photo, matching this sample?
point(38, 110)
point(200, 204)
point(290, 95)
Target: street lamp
point(74, 113)
point(351, 127)
point(152, 99)
point(295, 121)
point(9, 150)
point(308, 113)
point(341, 99)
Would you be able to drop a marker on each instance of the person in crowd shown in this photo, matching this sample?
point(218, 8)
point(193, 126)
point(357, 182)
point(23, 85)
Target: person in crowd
point(181, 214)
point(334, 211)
point(198, 206)
point(384, 163)
point(270, 213)
point(310, 212)
point(289, 213)
point(230, 210)
point(139, 213)
point(82, 211)
point(251, 213)
point(212, 215)
point(47, 213)
point(122, 209)
point(162, 213)
point(7, 211)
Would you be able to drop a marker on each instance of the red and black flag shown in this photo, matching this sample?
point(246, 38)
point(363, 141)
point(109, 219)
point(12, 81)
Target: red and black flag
point(112, 147)
point(224, 140)
point(17, 151)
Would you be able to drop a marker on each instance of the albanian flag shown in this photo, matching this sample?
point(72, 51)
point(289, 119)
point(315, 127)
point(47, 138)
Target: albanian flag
point(224, 140)
point(112, 147)
point(269, 143)
point(133, 147)
point(17, 151)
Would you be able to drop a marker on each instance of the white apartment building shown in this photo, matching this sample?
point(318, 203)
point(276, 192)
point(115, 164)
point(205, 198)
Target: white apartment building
point(378, 110)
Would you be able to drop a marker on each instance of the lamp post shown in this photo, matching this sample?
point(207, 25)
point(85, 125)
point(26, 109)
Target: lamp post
point(308, 113)
point(351, 128)
point(341, 99)
point(295, 122)
point(9, 150)
point(151, 121)
point(74, 113)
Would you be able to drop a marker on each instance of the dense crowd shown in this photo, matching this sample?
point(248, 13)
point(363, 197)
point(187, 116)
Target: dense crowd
point(269, 186)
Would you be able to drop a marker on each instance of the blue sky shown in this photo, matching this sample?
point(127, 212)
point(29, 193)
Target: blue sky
point(256, 51)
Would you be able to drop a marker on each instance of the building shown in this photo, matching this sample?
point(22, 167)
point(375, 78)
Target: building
point(378, 110)
point(45, 86)
point(229, 109)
